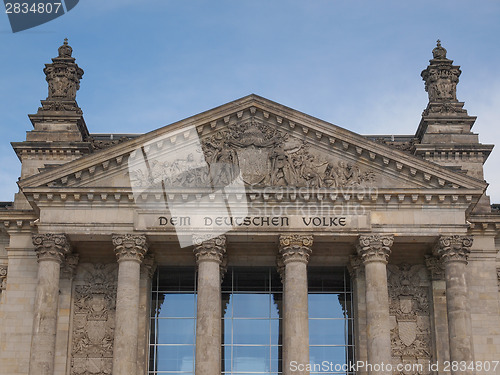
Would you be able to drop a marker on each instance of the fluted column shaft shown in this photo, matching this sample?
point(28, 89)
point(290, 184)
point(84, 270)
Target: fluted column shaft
point(209, 253)
point(454, 251)
point(295, 251)
point(51, 249)
point(374, 251)
point(130, 251)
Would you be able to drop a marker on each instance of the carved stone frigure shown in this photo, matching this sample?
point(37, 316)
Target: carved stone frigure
point(295, 247)
point(453, 248)
point(409, 308)
point(130, 246)
point(375, 248)
point(208, 248)
point(441, 77)
point(93, 320)
point(50, 246)
point(63, 75)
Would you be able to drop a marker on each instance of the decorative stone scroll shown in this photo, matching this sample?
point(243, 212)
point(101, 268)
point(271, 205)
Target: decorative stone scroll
point(130, 247)
point(208, 248)
point(258, 153)
point(295, 247)
point(93, 320)
point(453, 248)
point(375, 248)
point(3, 278)
point(50, 246)
point(408, 287)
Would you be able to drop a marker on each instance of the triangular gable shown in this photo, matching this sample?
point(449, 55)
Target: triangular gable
point(272, 145)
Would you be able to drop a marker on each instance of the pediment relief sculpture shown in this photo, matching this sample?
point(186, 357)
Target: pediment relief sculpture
point(256, 153)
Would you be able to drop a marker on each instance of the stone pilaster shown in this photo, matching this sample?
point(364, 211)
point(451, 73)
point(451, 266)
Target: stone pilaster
point(439, 321)
point(209, 253)
point(130, 250)
point(374, 251)
point(51, 250)
point(357, 274)
point(295, 250)
point(454, 251)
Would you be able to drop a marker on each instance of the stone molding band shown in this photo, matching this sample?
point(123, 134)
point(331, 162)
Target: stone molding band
point(130, 247)
point(51, 246)
point(295, 248)
point(209, 248)
point(375, 248)
point(454, 248)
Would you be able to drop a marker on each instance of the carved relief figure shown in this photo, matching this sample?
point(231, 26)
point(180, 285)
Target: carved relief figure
point(93, 320)
point(410, 313)
point(258, 153)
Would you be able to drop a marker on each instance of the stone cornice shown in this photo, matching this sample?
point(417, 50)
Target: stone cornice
point(320, 133)
point(51, 246)
point(375, 248)
point(208, 248)
point(295, 248)
point(453, 248)
point(130, 247)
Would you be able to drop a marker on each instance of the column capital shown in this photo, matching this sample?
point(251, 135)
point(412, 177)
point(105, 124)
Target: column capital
point(130, 247)
point(3, 277)
point(51, 246)
point(295, 247)
point(208, 248)
point(68, 266)
point(454, 248)
point(435, 267)
point(375, 248)
point(355, 266)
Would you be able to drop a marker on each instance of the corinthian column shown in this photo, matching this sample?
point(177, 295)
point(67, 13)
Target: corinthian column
point(295, 250)
point(454, 251)
point(130, 250)
point(374, 251)
point(209, 253)
point(50, 250)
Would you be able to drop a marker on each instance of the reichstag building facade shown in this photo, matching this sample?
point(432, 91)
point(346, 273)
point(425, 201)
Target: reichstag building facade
point(250, 239)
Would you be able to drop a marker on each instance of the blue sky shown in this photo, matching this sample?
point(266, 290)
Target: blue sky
point(356, 64)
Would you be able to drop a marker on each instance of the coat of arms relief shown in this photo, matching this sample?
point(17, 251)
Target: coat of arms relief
point(93, 320)
point(259, 154)
point(410, 315)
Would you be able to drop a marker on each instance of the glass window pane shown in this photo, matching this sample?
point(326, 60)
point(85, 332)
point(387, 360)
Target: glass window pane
point(251, 331)
point(327, 332)
point(175, 358)
point(176, 331)
point(326, 305)
point(276, 328)
point(251, 305)
point(176, 305)
point(226, 358)
point(276, 305)
point(275, 358)
point(251, 279)
point(251, 358)
point(331, 354)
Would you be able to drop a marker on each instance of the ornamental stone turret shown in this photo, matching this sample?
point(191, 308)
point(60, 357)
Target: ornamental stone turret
point(60, 134)
point(444, 133)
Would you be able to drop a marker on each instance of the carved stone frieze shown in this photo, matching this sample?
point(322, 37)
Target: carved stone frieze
point(50, 246)
point(408, 287)
point(94, 320)
point(295, 247)
point(375, 248)
point(259, 154)
point(208, 248)
point(130, 247)
point(435, 267)
point(453, 248)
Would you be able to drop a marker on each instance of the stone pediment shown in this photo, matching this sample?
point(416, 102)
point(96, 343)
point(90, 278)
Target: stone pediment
point(262, 143)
